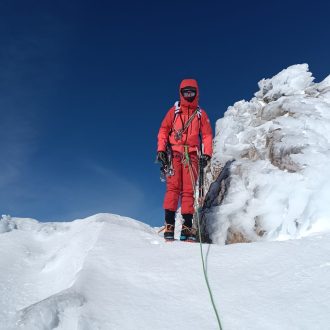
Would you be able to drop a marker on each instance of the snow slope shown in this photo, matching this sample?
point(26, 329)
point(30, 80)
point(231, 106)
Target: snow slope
point(110, 272)
point(280, 139)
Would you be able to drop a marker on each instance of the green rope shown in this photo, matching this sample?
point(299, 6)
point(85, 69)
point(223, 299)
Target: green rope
point(205, 273)
point(187, 159)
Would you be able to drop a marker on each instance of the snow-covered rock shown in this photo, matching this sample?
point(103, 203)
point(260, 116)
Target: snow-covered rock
point(6, 224)
point(280, 139)
point(110, 272)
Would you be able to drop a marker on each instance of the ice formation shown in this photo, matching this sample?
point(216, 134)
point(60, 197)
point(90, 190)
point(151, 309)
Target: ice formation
point(280, 181)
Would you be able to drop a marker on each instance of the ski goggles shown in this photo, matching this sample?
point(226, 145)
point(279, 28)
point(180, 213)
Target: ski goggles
point(189, 93)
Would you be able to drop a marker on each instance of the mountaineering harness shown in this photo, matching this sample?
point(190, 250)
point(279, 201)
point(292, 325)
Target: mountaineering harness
point(167, 169)
point(179, 133)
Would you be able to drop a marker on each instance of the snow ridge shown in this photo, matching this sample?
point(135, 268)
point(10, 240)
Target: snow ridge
point(55, 253)
point(83, 275)
point(280, 140)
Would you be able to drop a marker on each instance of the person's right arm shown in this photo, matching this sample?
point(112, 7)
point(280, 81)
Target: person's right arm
point(164, 130)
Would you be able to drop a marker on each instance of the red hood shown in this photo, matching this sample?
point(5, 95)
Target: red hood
point(189, 83)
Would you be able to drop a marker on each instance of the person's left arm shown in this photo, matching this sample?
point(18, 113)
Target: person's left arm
point(206, 133)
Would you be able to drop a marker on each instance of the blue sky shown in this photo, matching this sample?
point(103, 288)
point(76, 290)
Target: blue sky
point(84, 86)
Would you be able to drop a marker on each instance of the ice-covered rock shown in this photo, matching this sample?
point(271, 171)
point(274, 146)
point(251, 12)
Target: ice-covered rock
point(280, 182)
point(291, 81)
point(6, 224)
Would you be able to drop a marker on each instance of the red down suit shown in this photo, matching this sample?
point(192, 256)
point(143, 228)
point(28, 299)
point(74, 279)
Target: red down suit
point(180, 184)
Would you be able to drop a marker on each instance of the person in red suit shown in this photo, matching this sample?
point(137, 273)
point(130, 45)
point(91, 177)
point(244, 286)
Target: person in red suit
point(182, 131)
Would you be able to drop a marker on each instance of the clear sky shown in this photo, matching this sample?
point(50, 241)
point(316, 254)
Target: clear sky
point(84, 86)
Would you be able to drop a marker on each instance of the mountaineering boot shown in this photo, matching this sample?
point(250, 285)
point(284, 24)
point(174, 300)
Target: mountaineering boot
point(188, 233)
point(169, 225)
point(169, 232)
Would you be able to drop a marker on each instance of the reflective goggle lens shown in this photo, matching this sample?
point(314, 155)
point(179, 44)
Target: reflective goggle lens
point(188, 93)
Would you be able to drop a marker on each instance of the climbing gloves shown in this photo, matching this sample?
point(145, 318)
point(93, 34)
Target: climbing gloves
point(204, 160)
point(162, 158)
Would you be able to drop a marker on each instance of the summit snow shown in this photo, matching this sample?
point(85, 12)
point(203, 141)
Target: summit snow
point(110, 272)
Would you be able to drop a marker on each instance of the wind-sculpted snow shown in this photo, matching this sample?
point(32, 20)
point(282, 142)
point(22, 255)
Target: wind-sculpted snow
point(280, 182)
point(42, 262)
point(110, 272)
point(46, 269)
point(58, 311)
point(6, 224)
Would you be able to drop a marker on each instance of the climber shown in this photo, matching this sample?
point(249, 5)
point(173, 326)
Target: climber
point(184, 144)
